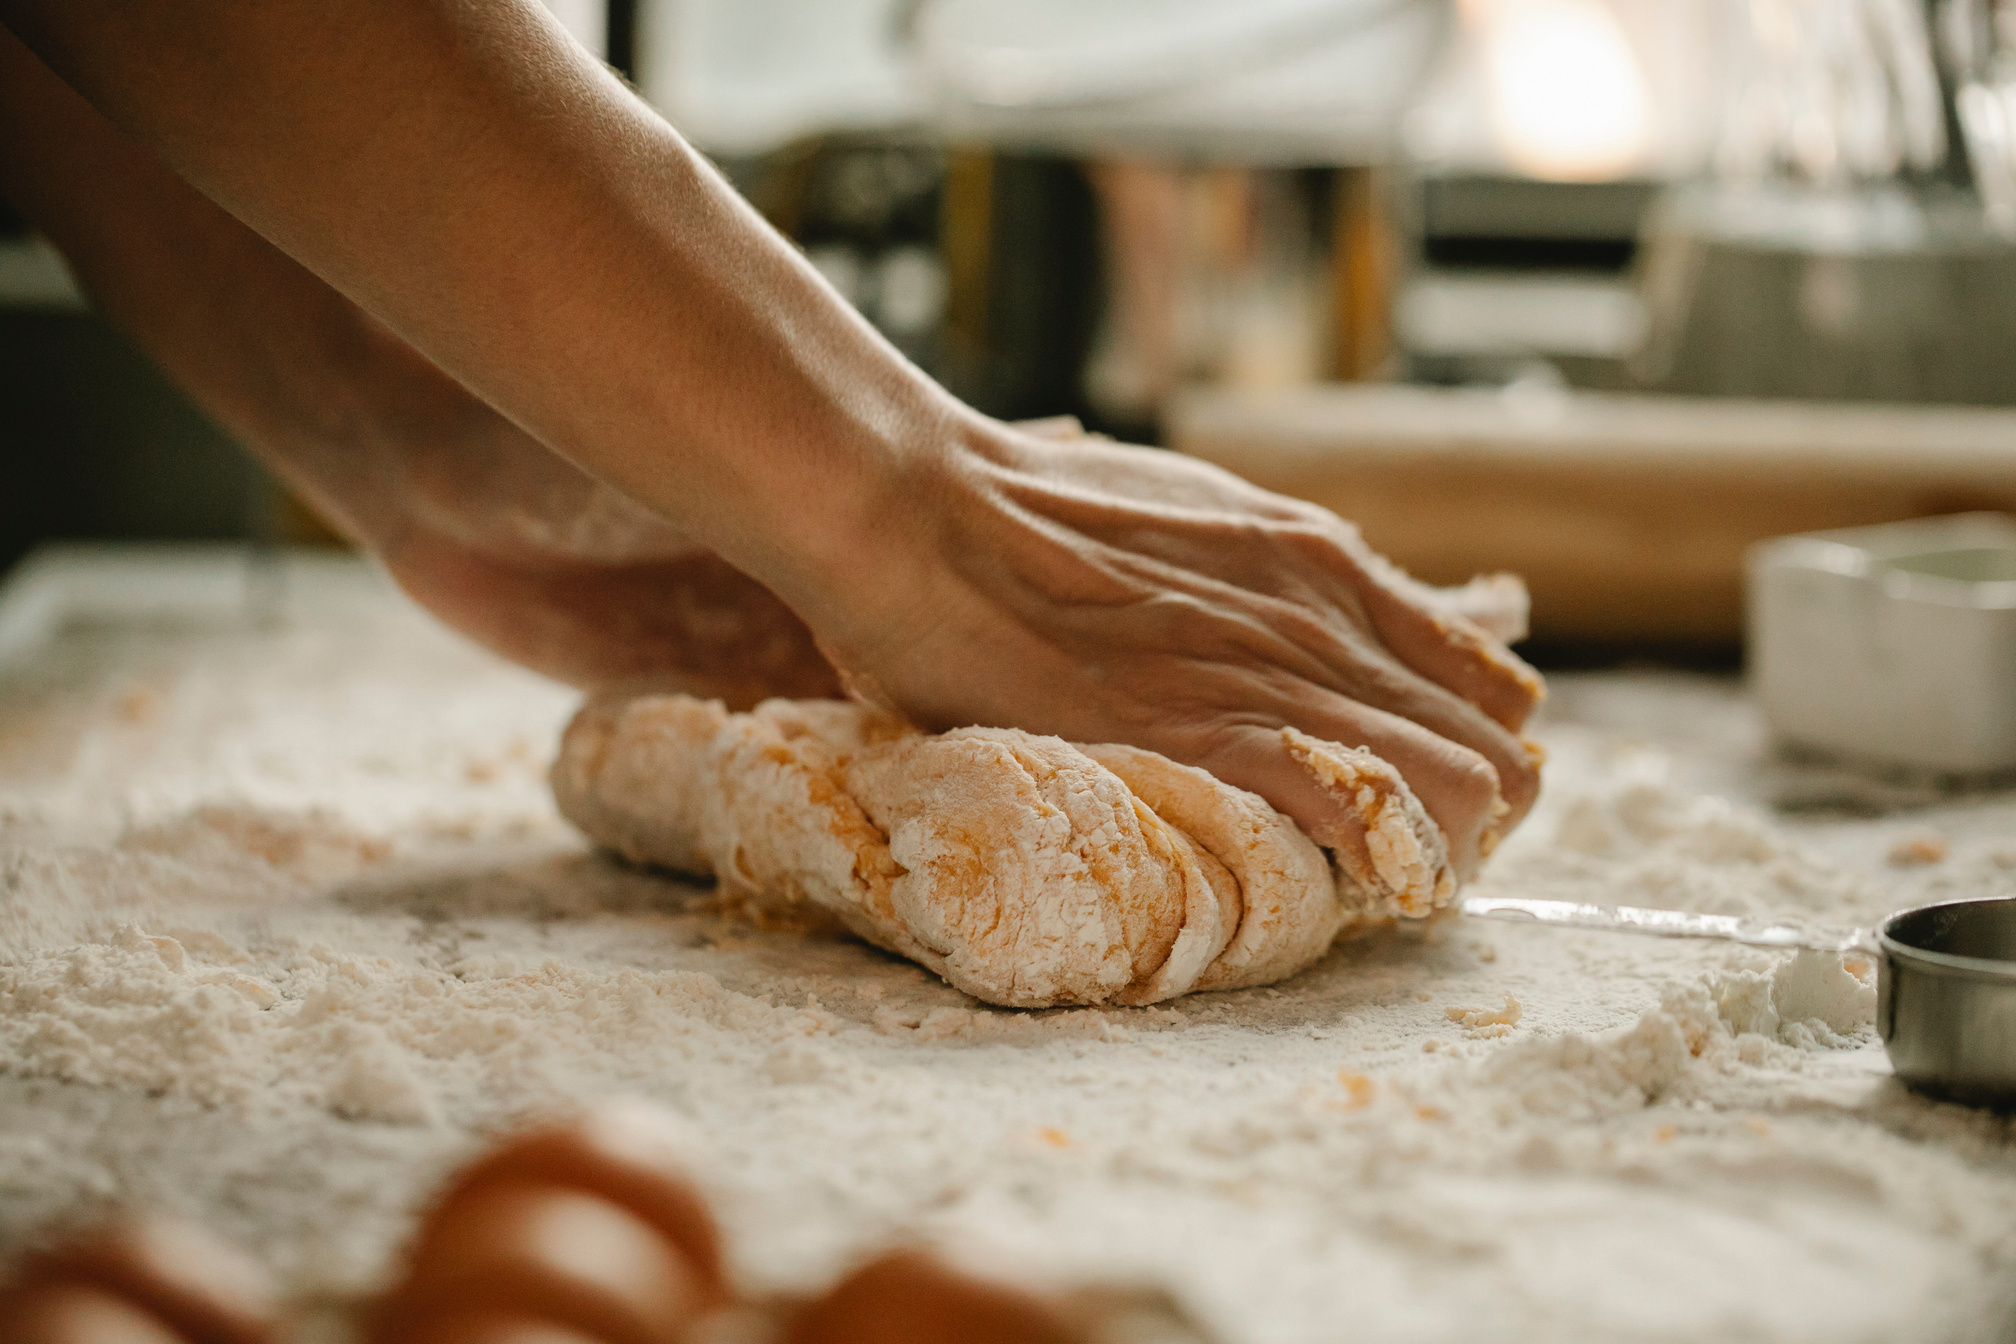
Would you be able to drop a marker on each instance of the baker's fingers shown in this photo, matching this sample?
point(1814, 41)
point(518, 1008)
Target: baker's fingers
point(1355, 690)
point(1356, 803)
point(1310, 576)
point(1059, 427)
point(1459, 787)
point(1419, 703)
point(1450, 649)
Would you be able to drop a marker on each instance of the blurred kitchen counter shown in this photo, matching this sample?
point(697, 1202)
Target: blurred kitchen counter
point(1627, 515)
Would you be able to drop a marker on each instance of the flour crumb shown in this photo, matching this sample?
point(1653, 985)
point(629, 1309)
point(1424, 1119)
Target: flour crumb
point(894, 1021)
point(133, 938)
point(941, 1023)
point(140, 705)
point(797, 1062)
point(1358, 1089)
point(1488, 1022)
point(379, 1083)
point(1918, 849)
point(260, 995)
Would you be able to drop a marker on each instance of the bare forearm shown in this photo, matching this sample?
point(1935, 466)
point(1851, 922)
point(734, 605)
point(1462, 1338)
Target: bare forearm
point(293, 369)
point(463, 172)
point(467, 174)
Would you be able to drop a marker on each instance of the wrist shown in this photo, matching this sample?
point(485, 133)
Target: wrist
point(872, 557)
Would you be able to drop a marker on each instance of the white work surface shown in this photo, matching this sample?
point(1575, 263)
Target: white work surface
point(288, 926)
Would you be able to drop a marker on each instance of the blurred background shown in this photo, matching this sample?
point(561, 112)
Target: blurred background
point(1600, 291)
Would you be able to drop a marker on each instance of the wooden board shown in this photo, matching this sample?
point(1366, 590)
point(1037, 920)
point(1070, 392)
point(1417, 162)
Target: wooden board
point(1628, 516)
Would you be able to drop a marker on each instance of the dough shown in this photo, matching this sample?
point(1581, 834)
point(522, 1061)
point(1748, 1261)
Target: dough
point(1025, 870)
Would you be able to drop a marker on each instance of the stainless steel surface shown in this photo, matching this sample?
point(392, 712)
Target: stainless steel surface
point(1945, 978)
point(1946, 999)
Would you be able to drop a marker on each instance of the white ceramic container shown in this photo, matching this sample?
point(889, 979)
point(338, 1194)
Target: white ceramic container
point(1892, 645)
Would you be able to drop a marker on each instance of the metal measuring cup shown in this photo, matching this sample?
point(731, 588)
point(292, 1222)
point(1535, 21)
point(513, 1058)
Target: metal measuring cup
point(1945, 978)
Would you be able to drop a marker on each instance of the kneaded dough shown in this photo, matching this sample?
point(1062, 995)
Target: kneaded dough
point(1025, 870)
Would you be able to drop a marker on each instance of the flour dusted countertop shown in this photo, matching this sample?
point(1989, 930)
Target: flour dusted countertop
point(288, 926)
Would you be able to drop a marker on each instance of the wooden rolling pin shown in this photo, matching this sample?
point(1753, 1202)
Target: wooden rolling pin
point(1628, 516)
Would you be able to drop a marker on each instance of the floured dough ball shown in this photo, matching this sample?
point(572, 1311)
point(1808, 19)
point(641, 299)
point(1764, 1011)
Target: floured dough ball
point(1269, 867)
point(1023, 869)
point(632, 774)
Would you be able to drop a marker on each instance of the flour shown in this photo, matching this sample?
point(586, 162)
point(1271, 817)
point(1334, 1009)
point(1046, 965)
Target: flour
point(285, 942)
point(1805, 999)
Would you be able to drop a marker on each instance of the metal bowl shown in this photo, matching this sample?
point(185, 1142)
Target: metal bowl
point(1946, 999)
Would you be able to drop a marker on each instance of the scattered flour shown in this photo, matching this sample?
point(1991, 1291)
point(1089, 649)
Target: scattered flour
point(288, 935)
point(1806, 999)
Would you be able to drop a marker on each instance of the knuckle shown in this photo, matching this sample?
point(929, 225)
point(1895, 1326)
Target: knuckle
point(1520, 780)
point(1321, 537)
point(1477, 781)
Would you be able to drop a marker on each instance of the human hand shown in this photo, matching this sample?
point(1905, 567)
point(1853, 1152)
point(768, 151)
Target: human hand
point(960, 570)
point(1106, 593)
point(533, 558)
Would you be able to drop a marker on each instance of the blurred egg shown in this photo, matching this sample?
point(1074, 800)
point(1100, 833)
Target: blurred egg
point(908, 1297)
point(59, 1312)
point(487, 1327)
point(548, 1254)
point(626, 1153)
point(198, 1287)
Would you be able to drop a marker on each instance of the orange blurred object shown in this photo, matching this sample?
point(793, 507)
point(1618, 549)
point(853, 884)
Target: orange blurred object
point(547, 1254)
point(626, 1154)
point(142, 1278)
point(58, 1312)
point(908, 1297)
point(490, 1327)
